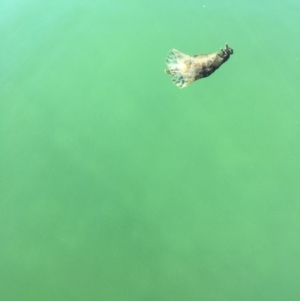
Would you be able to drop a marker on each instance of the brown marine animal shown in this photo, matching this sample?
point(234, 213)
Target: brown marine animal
point(186, 69)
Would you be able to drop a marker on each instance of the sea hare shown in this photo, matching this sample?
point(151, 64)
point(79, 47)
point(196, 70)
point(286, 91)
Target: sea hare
point(186, 69)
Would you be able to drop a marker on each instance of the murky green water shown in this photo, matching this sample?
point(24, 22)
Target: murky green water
point(116, 185)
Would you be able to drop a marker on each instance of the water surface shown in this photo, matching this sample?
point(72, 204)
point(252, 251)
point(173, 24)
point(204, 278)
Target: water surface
point(116, 185)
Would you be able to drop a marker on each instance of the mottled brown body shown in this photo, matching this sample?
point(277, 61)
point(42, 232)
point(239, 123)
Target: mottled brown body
point(186, 69)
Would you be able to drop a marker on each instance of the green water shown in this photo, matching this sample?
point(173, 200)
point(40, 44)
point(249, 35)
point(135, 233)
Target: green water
point(115, 185)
